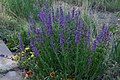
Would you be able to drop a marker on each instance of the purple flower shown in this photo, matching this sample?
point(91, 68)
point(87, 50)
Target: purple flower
point(88, 38)
point(68, 17)
point(31, 21)
point(101, 37)
point(38, 31)
point(95, 44)
point(77, 14)
point(49, 25)
point(53, 15)
point(57, 14)
point(21, 45)
point(62, 39)
point(78, 31)
point(34, 48)
point(77, 37)
point(61, 19)
point(73, 12)
point(29, 32)
point(81, 24)
point(42, 16)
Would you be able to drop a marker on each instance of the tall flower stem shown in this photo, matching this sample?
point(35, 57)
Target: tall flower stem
point(76, 59)
point(56, 54)
point(65, 62)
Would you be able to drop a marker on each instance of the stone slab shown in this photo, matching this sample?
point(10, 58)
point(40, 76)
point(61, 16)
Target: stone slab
point(6, 63)
point(12, 75)
point(4, 49)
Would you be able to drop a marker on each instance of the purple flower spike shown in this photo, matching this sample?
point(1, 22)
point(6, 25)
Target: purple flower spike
point(88, 38)
point(73, 12)
point(42, 16)
point(57, 14)
point(34, 48)
point(102, 37)
point(95, 44)
point(77, 37)
point(32, 24)
point(53, 15)
point(21, 45)
point(29, 32)
point(61, 21)
point(68, 17)
point(31, 21)
point(49, 25)
point(78, 32)
point(38, 31)
point(62, 39)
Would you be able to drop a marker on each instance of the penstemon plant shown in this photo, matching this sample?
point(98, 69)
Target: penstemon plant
point(63, 47)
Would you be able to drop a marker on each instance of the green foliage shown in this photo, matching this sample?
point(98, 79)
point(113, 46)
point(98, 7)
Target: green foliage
point(9, 28)
point(106, 5)
point(23, 8)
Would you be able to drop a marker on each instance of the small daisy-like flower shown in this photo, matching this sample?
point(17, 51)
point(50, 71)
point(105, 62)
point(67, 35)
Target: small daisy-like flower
point(28, 74)
point(52, 74)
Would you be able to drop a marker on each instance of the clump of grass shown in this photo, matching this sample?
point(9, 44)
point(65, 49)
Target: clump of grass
point(64, 47)
point(101, 5)
point(9, 28)
point(106, 5)
point(23, 8)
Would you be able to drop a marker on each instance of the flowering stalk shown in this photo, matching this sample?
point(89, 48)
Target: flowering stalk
point(78, 32)
point(88, 38)
point(62, 39)
point(53, 15)
point(67, 18)
point(101, 37)
point(21, 45)
point(61, 19)
point(34, 48)
point(73, 13)
point(31, 24)
point(49, 25)
point(57, 15)
point(43, 17)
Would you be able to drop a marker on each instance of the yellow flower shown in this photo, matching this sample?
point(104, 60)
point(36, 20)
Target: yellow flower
point(22, 52)
point(27, 49)
point(32, 55)
point(29, 58)
point(16, 57)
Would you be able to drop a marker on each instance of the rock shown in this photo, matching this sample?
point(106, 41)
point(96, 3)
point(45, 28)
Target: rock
point(3, 49)
point(12, 75)
point(1, 75)
point(7, 64)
